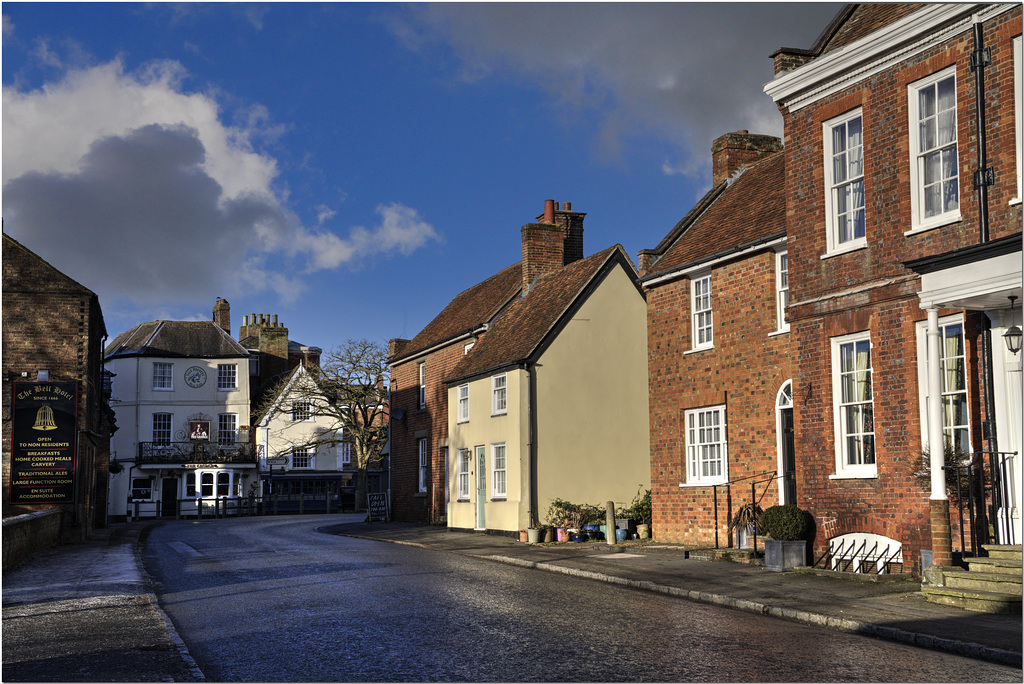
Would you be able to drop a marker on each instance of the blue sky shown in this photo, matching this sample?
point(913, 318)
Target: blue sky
point(351, 167)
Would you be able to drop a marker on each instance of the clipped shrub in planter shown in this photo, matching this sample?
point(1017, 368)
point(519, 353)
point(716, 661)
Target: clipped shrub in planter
point(788, 527)
point(785, 523)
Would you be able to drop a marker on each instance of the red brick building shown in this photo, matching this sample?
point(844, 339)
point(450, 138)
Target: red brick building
point(53, 331)
point(419, 396)
point(718, 349)
point(902, 269)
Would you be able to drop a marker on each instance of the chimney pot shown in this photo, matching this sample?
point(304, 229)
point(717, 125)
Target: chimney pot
point(275, 320)
point(549, 211)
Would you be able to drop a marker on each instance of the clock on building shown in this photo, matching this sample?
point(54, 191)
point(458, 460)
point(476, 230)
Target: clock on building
point(195, 377)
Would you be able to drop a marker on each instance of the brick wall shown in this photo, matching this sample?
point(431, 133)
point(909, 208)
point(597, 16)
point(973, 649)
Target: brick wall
point(870, 290)
point(744, 371)
point(51, 322)
point(431, 422)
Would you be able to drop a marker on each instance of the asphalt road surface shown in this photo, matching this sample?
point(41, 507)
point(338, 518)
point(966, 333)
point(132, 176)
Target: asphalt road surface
point(273, 600)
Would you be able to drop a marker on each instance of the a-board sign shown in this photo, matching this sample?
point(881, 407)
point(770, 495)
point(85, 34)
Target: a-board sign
point(377, 505)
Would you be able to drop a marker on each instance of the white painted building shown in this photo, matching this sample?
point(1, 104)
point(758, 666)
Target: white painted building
point(180, 392)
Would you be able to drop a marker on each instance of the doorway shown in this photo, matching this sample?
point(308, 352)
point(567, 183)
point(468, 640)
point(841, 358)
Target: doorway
point(169, 497)
point(481, 487)
point(786, 445)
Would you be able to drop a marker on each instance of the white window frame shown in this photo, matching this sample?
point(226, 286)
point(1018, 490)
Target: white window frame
point(920, 222)
point(463, 403)
point(227, 429)
point(421, 470)
point(781, 290)
point(702, 324)
point(142, 493)
point(945, 323)
point(842, 401)
point(163, 381)
point(227, 377)
point(169, 429)
point(468, 346)
point(205, 493)
point(845, 187)
point(1018, 108)
point(462, 469)
point(302, 410)
point(706, 435)
point(499, 471)
point(499, 394)
point(422, 370)
point(345, 453)
point(306, 455)
point(190, 484)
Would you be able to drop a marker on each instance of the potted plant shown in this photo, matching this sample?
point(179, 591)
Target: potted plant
point(579, 517)
point(745, 521)
point(115, 467)
point(787, 528)
point(641, 511)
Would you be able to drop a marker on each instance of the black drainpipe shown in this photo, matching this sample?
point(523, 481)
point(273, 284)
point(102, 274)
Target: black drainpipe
point(984, 177)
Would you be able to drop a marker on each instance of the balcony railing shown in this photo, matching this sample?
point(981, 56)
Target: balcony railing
point(195, 452)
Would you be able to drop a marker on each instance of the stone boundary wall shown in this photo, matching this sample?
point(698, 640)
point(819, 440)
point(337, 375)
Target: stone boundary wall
point(30, 533)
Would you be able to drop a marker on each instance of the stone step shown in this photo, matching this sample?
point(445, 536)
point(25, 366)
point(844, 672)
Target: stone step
point(983, 581)
point(1004, 551)
point(1000, 565)
point(977, 601)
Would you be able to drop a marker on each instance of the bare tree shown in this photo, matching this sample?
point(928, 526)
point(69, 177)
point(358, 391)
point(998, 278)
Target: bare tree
point(347, 393)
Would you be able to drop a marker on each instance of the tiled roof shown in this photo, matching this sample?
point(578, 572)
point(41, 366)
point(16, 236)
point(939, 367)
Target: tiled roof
point(752, 208)
point(525, 324)
point(192, 339)
point(861, 21)
point(471, 308)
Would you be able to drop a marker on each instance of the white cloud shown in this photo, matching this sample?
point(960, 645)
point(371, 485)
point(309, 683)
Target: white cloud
point(686, 72)
point(140, 191)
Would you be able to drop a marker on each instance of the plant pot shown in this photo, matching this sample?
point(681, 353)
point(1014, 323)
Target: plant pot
point(643, 531)
point(744, 535)
point(603, 531)
point(549, 535)
point(522, 536)
point(780, 556)
point(563, 536)
point(533, 535)
point(579, 536)
point(621, 533)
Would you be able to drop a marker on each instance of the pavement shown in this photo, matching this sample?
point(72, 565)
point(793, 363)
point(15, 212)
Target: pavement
point(87, 612)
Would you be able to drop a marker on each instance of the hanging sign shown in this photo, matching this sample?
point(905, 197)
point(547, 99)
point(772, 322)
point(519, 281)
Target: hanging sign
point(44, 431)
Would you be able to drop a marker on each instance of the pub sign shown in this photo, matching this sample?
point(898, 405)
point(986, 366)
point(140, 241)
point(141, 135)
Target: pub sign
point(44, 431)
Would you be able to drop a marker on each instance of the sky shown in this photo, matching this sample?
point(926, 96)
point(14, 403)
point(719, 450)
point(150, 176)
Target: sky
point(351, 167)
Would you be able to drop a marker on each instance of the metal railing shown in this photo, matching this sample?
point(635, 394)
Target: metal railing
point(754, 499)
point(195, 452)
point(984, 494)
point(199, 507)
point(860, 559)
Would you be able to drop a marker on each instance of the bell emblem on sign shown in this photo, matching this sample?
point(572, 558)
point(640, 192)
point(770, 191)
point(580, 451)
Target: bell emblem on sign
point(44, 419)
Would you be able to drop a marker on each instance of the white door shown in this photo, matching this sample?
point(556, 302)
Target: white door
point(481, 487)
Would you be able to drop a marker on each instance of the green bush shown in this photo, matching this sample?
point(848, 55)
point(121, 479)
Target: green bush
point(786, 523)
point(640, 509)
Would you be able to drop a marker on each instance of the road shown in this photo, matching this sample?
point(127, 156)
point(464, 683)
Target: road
point(271, 599)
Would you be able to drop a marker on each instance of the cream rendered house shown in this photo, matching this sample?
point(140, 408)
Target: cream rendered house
point(552, 401)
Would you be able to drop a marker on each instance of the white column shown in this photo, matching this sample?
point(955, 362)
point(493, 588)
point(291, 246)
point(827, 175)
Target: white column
point(936, 448)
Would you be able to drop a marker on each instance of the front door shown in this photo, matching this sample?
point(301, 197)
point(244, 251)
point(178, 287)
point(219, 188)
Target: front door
point(169, 497)
point(788, 457)
point(481, 487)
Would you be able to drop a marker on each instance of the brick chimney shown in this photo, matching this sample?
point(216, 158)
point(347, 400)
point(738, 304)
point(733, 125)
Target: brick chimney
point(222, 315)
point(551, 243)
point(733, 151)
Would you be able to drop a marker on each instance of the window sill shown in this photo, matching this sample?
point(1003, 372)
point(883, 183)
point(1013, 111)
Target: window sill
point(227, 389)
point(498, 415)
point(1015, 201)
point(933, 224)
point(855, 247)
point(776, 333)
point(420, 495)
point(461, 422)
point(163, 389)
point(698, 350)
point(497, 499)
point(854, 476)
